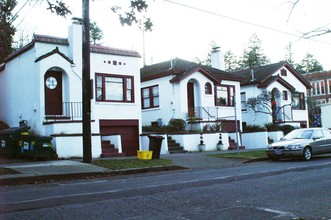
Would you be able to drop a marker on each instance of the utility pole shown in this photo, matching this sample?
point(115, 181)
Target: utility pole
point(86, 84)
point(235, 119)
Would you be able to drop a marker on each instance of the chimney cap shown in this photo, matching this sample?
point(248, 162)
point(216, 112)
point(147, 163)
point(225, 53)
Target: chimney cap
point(77, 20)
point(216, 49)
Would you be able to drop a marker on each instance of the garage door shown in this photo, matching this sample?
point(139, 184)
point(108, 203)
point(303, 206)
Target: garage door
point(129, 131)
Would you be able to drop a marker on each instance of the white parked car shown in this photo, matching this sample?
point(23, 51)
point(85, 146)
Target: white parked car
point(301, 143)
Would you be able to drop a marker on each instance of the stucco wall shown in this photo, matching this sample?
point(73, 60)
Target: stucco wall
point(71, 146)
point(326, 116)
point(255, 140)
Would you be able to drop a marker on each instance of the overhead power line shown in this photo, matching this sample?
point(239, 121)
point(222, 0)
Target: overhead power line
point(16, 14)
point(244, 22)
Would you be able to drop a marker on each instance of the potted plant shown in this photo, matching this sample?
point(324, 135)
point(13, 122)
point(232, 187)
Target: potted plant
point(220, 144)
point(201, 146)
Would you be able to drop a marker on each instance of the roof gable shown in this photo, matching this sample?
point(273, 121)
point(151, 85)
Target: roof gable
point(278, 79)
point(55, 51)
point(263, 75)
point(192, 70)
point(182, 68)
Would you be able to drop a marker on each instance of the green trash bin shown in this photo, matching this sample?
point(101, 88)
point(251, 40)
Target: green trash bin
point(155, 145)
point(35, 147)
point(9, 139)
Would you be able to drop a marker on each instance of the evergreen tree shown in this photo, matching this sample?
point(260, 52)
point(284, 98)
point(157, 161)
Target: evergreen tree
point(6, 27)
point(96, 33)
point(289, 53)
point(230, 61)
point(253, 56)
point(308, 65)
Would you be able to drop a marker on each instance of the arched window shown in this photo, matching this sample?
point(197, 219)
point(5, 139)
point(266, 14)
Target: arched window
point(208, 90)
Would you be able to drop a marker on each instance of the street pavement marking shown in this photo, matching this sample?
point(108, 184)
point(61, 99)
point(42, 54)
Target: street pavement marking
point(280, 213)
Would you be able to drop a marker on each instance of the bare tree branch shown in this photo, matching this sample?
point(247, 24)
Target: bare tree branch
point(292, 8)
point(310, 34)
point(317, 32)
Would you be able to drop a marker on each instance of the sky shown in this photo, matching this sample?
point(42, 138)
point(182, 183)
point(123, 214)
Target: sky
point(186, 28)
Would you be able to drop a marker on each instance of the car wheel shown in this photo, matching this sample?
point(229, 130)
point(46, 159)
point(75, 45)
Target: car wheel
point(307, 153)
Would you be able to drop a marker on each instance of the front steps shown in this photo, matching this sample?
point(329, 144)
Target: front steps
point(174, 147)
point(109, 150)
point(233, 145)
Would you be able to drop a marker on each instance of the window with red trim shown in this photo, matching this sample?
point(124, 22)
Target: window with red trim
point(150, 97)
point(114, 88)
point(224, 95)
point(298, 101)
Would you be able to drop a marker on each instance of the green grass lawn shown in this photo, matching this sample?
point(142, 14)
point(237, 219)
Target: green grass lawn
point(242, 155)
point(122, 164)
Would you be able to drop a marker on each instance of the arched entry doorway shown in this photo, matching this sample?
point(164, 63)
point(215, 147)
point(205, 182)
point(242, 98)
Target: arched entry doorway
point(193, 100)
point(53, 92)
point(276, 105)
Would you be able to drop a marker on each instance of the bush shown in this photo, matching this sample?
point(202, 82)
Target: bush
point(286, 129)
point(272, 127)
point(176, 124)
point(253, 128)
point(3, 125)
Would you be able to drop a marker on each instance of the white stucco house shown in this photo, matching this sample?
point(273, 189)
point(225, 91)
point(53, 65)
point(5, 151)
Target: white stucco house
point(288, 89)
point(41, 84)
point(180, 89)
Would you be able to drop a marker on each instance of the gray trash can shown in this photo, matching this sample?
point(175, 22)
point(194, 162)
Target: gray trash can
point(155, 145)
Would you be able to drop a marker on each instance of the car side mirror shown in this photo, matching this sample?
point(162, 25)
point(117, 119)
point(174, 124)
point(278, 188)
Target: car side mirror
point(316, 138)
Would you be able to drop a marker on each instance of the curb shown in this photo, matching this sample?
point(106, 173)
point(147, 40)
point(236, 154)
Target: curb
point(261, 159)
point(91, 175)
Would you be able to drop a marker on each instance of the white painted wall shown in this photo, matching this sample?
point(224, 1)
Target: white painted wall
point(169, 104)
point(18, 89)
point(326, 116)
point(190, 142)
point(255, 140)
point(275, 135)
point(71, 146)
point(164, 145)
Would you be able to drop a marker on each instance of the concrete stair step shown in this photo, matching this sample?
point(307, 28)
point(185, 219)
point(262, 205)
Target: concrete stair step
point(103, 155)
point(235, 148)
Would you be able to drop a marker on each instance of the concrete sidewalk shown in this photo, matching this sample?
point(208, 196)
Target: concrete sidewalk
point(43, 171)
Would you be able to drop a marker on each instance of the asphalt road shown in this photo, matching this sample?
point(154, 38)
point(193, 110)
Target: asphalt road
point(282, 190)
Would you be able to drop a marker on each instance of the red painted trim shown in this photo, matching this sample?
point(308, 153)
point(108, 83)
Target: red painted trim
point(124, 77)
point(119, 122)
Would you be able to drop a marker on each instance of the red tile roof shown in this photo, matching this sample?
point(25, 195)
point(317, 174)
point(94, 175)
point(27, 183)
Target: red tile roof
point(64, 41)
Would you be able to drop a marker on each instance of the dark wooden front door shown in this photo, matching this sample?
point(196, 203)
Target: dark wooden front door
point(53, 93)
point(190, 99)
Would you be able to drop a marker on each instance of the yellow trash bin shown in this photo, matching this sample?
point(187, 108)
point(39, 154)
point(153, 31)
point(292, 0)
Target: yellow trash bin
point(144, 154)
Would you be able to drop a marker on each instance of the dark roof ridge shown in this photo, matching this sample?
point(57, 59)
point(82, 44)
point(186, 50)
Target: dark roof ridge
point(114, 51)
point(50, 39)
point(55, 51)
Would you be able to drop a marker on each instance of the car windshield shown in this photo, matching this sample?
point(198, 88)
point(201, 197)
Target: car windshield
point(299, 134)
